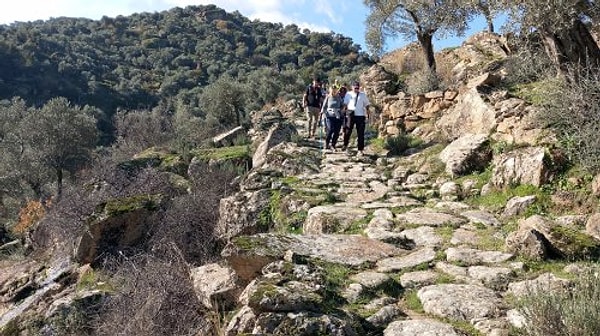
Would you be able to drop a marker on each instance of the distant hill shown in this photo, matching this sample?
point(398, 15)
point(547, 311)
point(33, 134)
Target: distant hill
point(140, 60)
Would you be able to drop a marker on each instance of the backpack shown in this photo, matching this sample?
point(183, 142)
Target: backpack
point(313, 96)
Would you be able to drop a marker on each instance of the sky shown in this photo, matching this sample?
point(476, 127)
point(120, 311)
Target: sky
point(344, 17)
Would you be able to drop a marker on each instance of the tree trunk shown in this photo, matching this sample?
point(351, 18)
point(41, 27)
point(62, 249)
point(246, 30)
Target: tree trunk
point(490, 24)
point(425, 40)
point(59, 183)
point(571, 46)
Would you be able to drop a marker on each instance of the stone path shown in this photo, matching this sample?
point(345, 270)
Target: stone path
point(393, 244)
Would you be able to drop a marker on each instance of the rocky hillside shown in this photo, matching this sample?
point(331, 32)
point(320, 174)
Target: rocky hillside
point(443, 239)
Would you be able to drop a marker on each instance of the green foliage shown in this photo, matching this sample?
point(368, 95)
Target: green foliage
point(412, 301)
point(41, 146)
point(146, 60)
point(397, 145)
point(571, 108)
point(497, 199)
point(573, 311)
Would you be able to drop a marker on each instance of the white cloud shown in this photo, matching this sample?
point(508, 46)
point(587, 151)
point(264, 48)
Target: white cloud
point(314, 15)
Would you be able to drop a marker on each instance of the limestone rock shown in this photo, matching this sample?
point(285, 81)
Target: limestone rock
point(461, 302)
point(278, 133)
point(240, 213)
point(466, 154)
point(469, 115)
point(116, 224)
point(215, 283)
point(521, 166)
point(420, 327)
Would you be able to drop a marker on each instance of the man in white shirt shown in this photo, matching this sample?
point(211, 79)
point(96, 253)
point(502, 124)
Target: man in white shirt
point(357, 106)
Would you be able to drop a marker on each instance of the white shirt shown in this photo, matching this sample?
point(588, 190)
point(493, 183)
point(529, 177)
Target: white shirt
point(360, 109)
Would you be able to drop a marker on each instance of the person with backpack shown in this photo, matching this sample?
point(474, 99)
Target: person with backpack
point(332, 110)
point(311, 102)
point(357, 107)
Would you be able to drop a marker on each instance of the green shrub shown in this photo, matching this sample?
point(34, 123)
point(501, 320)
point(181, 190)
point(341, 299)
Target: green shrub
point(398, 144)
point(571, 107)
point(574, 311)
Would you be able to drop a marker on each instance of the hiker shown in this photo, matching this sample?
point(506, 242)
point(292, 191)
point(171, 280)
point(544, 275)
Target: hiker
point(342, 93)
point(357, 107)
point(311, 102)
point(332, 106)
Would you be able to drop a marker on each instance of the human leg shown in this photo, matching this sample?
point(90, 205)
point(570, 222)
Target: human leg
point(336, 124)
point(360, 132)
point(348, 131)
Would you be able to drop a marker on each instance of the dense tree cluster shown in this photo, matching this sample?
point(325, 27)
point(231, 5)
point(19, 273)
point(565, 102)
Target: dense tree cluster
point(168, 58)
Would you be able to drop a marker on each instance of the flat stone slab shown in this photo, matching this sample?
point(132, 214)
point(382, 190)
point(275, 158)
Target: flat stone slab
point(429, 217)
point(331, 218)
point(423, 236)
point(476, 257)
point(393, 202)
point(419, 257)
point(420, 327)
point(481, 217)
point(460, 302)
point(247, 255)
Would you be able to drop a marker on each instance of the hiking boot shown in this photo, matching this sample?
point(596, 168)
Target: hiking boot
point(360, 154)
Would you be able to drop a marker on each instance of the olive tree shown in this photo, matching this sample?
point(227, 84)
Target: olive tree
point(414, 18)
point(563, 26)
point(43, 144)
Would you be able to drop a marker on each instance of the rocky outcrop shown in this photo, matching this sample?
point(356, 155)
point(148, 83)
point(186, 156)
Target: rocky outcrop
point(116, 225)
point(278, 133)
point(530, 165)
point(466, 154)
point(470, 114)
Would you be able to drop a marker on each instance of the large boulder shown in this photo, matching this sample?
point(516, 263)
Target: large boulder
point(529, 165)
point(278, 133)
point(466, 154)
point(559, 240)
point(247, 255)
point(471, 114)
point(240, 214)
point(116, 225)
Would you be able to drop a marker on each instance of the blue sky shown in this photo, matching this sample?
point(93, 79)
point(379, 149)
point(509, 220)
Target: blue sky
point(345, 17)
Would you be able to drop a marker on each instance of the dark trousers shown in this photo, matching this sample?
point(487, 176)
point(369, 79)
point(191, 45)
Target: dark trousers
point(333, 131)
point(359, 121)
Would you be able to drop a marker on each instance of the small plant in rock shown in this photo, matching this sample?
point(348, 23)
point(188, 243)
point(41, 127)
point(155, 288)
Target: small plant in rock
point(397, 145)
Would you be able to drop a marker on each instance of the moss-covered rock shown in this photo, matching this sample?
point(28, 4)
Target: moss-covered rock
point(115, 225)
point(157, 157)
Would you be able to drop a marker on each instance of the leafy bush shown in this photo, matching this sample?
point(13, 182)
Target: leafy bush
point(572, 109)
point(574, 311)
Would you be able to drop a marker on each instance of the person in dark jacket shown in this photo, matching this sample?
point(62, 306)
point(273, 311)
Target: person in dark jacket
point(312, 100)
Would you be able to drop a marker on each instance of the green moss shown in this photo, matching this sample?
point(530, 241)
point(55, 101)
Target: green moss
point(574, 243)
point(535, 93)
point(412, 301)
point(463, 326)
point(247, 242)
point(496, 200)
point(358, 225)
point(120, 206)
